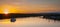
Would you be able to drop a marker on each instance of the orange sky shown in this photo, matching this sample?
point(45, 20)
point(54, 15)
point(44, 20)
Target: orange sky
point(24, 7)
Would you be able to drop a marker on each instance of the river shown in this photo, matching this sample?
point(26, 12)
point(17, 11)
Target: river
point(30, 22)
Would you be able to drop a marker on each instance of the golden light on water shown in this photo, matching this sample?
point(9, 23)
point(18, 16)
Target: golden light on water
point(5, 21)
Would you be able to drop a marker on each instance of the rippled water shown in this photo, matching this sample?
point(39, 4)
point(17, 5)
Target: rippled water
point(30, 22)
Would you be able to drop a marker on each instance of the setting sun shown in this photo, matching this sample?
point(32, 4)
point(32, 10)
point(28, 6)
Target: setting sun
point(8, 9)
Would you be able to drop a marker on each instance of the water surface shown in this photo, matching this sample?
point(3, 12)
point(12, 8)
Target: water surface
point(30, 22)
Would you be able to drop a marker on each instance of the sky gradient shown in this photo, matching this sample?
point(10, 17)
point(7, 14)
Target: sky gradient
point(29, 6)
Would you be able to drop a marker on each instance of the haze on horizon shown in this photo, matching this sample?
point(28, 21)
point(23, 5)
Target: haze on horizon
point(29, 6)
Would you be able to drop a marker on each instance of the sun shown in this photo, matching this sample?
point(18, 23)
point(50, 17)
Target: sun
point(5, 11)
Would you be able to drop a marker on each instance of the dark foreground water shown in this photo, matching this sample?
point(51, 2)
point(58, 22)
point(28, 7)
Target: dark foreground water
point(30, 22)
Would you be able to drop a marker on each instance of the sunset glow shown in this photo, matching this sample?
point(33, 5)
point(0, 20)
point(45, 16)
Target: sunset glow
point(29, 7)
point(6, 11)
